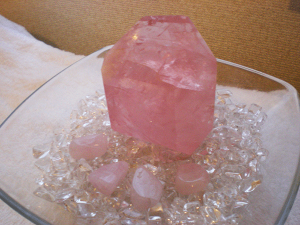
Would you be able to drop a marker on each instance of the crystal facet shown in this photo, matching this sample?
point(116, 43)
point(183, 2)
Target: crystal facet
point(88, 147)
point(108, 177)
point(146, 189)
point(191, 178)
point(160, 81)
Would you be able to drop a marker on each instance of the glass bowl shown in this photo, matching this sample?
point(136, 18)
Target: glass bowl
point(33, 122)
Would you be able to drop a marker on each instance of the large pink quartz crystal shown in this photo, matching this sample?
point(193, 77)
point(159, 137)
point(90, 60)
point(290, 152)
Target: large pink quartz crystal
point(160, 81)
point(88, 147)
point(191, 178)
point(146, 189)
point(108, 177)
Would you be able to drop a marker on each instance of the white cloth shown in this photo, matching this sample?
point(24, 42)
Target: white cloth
point(25, 64)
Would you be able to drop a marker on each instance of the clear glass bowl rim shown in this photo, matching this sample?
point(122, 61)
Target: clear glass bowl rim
point(287, 204)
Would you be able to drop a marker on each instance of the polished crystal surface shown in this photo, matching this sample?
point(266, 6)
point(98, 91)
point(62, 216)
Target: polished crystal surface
point(146, 189)
point(108, 177)
point(191, 178)
point(88, 147)
point(160, 81)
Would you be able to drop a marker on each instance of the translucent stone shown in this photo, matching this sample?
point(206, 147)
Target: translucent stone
point(255, 109)
point(240, 202)
point(82, 197)
point(212, 215)
point(88, 147)
point(173, 58)
point(108, 177)
point(146, 189)
point(192, 207)
point(44, 164)
point(41, 151)
point(107, 216)
point(262, 154)
point(65, 194)
point(86, 210)
point(133, 213)
point(224, 93)
point(253, 164)
point(60, 140)
point(250, 184)
point(191, 178)
point(155, 215)
point(154, 220)
point(234, 171)
point(260, 119)
point(84, 166)
point(71, 206)
point(43, 193)
point(153, 169)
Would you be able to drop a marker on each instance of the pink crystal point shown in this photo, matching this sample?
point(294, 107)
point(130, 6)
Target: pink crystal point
point(159, 82)
point(146, 189)
point(88, 147)
point(108, 177)
point(191, 178)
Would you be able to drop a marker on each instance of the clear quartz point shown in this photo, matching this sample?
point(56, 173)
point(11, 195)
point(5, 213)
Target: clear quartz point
point(65, 194)
point(43, 193)
point(41, 151)
point(44, 164)
point(86, 210)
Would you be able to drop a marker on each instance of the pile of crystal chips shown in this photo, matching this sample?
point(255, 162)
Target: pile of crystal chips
point(231, 154)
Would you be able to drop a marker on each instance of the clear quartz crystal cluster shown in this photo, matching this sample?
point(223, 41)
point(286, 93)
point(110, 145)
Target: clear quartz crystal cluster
point(231, 154)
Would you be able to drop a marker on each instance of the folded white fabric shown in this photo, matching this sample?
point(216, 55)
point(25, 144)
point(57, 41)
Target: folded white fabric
point(25, 64)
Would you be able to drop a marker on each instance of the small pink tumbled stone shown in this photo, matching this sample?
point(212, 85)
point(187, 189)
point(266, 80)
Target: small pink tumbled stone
point(191, 178)
point(146, 189)
point(107, 178)
point(88, 147)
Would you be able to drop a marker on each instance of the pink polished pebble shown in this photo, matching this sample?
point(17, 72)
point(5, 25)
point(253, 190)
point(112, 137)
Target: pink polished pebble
point(160, 81)
point(191, 178)
point(146, 189)
point(88, 147)
point(107, 178)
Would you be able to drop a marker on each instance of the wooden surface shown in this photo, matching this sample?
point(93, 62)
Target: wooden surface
point(260, 34)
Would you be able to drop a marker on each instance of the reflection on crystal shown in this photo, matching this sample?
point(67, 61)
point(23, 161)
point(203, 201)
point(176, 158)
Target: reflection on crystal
point(155, 214)
point(84, 166)
point(250, 185)
point(41, 151)
point(212, 215)
point(224, 93)
point(132, 213)
point(262, 154)
point(70, 206)
point(43, 193)
point(65, 194)
point(231, 154)
point(240, 201)
point(43, 164)
point(82, 197)
point(86, 210)
point(154, 220)
point(192, 207)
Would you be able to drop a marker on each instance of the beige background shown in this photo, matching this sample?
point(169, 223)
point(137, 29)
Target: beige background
point(261, 34)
